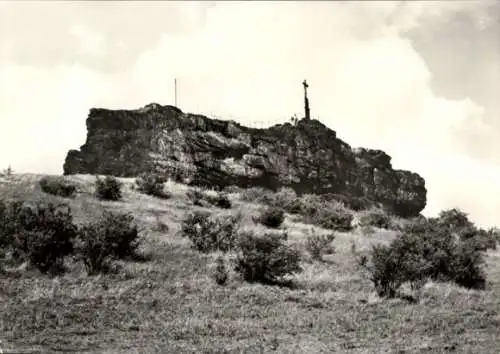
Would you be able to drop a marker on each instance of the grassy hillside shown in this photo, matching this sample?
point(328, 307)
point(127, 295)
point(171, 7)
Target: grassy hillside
point(170, 303)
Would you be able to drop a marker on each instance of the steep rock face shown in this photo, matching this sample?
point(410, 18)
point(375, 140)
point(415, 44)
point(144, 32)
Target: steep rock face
point(307, 157)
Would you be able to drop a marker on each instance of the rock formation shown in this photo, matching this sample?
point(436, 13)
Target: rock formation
point(307, 157)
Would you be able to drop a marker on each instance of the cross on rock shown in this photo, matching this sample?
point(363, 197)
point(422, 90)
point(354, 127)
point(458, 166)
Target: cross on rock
point(306, 101)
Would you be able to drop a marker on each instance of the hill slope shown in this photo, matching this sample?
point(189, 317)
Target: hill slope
point(170, 304)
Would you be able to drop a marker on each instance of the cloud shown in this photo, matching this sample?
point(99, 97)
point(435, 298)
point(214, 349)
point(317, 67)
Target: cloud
point(246, 61)
point(51, 33)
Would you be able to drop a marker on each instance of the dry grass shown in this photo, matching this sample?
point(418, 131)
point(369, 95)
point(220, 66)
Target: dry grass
point(171, 304)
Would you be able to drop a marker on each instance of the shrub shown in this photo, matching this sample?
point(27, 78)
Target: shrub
point(44, 235)
point(112, 236)
point(120, 233)
point(430, 252)
point(208, 234)
point(160, 226)
point(458, 223)
point(9, 222)
point(152, 185)
point(467, 266)
point(452, 259)
point(256, 194)
point(319, 245)
point(108, 188)
point(351, 202)
point(221, 274)
point(233, 189)
point(92, 249)
point(271, 217)
point(386, 272)
point(338, 220)
point(420, 225)
point(494, 234)
point(375, 217)
point(57, 186)
point(327, 214)
point(481, 239)
point(265, 259)
point(220, 200)
point(367, 230)
point(310, 203)
point(284, 198)
point(454, 219)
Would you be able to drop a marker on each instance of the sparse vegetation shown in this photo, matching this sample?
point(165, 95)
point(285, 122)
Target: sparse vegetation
point(233, 189)
point(195, 195)
point(153, 185)
point(494, 237)
point(160, 226)
point(57, 186)
point(216, 198)
point(256, 194)
point(108, 188)
point(318, 245)
point(447, 252)
point(221, 273)
point(266, 259)
point(284, 198)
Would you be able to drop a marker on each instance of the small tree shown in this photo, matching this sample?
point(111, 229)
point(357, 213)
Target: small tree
point(8, 171)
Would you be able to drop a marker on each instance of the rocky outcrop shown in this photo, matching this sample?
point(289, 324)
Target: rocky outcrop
point(307, 157)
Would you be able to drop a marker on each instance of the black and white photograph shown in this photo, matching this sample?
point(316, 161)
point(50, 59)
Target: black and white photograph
point(250, 176)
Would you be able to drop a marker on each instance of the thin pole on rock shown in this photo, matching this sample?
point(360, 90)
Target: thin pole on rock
point(175, 91)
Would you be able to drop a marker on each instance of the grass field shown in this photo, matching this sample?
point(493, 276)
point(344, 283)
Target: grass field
point(171, 304)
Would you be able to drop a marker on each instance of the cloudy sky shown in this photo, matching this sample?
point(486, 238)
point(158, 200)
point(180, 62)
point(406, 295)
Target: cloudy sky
point(419, 80)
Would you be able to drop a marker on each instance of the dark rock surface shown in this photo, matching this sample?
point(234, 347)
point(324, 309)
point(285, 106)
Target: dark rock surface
point(307, 157)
